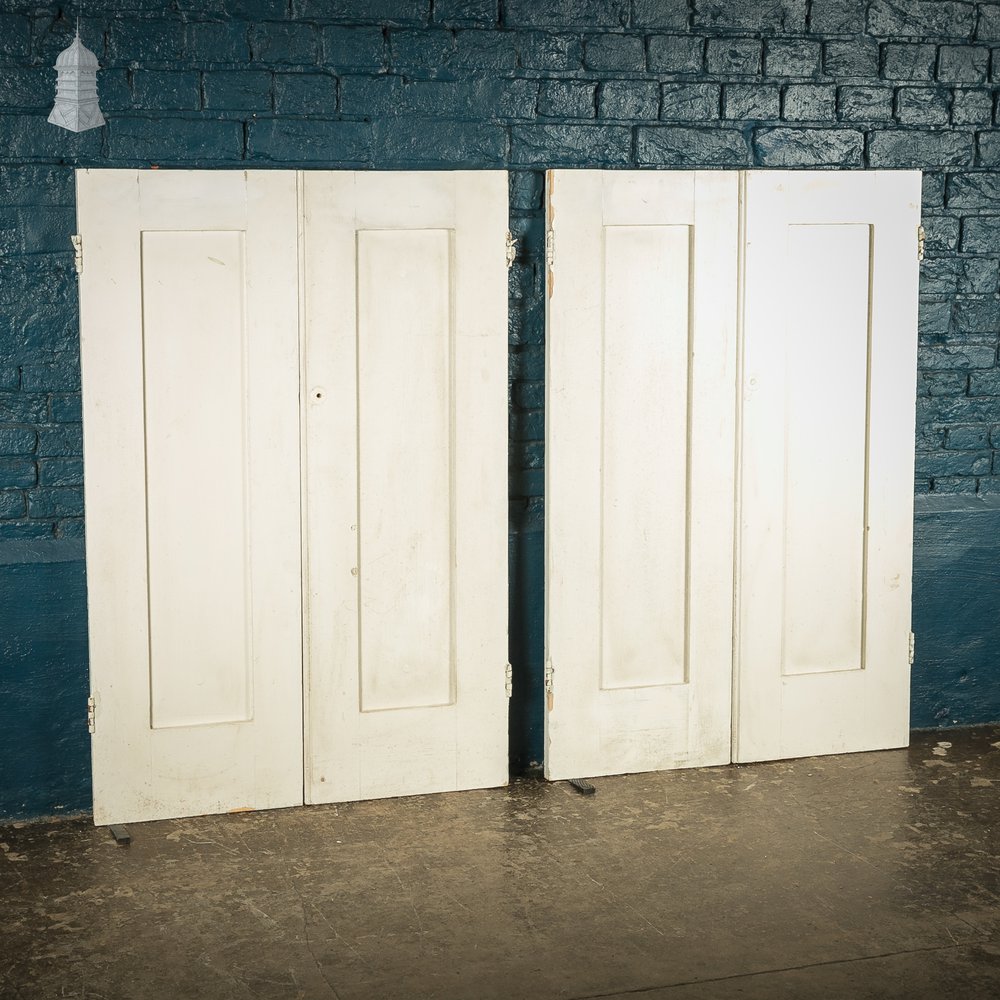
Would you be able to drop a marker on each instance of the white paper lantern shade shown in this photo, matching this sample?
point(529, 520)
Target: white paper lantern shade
point(76, 106)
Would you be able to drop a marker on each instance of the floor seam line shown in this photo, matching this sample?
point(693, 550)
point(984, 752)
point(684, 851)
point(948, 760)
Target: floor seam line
point(638, 991)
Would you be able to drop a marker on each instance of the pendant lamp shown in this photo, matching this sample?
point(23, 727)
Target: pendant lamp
point(76, 106)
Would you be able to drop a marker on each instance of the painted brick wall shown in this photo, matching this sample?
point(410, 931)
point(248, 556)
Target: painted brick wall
point(520, 84)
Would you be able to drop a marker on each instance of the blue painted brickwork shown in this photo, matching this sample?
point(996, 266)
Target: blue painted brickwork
point(522, 84)
point(956, 577)
point(44, 747)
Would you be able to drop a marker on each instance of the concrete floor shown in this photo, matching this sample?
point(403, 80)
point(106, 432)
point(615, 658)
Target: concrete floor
point(863, 876)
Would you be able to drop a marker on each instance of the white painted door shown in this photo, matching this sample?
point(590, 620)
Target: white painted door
point(826, 518)
point(640, 431)
point(189, 341)
point(405, 482)
point(652, 559)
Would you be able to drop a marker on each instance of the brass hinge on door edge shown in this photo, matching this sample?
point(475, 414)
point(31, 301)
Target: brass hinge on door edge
point(91, 715)
point(550, 248)
point(77, 240)
point(913, 648)
point(509, 680)
point(921, 238)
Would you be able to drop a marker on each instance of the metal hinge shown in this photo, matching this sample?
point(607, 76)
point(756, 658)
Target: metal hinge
point(550, 248)
point(913, 647)
point(77, 242)
point(509, 680)
point(511, 245)
point(549, 672)
point(921, 238)
point(91, 715)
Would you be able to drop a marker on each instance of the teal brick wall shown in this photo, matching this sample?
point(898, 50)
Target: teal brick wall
point(522, 85)
point(44, 746)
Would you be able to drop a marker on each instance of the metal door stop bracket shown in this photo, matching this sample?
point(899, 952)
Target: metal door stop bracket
point(122, 837)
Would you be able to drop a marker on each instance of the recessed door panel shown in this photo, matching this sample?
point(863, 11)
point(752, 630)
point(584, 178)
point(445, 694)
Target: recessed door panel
point(825, 484)
point(644, 395)
point(404, 349)
point(195, 351)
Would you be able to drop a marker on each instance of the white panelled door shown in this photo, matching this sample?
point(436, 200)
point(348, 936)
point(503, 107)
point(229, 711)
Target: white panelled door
point(641, 332)
point(189, 345)
point(688, 621)
point(206, 427)
point(405, 482)
point(826, 513)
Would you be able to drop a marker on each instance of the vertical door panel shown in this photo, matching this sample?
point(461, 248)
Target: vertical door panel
point(825, 533)
point(404, 488)
point(199, 613)
point(644, 456)
point(405, 483)
point(824, 500)
point(640, 413)
point(189, 342)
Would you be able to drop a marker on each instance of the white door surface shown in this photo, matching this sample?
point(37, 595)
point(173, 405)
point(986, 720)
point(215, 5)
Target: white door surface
point(640, 426)
point(729, 518)
point(405, 458)
point(826, 514)
point(189, 342)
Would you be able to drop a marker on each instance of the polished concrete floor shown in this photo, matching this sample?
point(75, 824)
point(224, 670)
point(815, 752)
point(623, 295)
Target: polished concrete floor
point(863, 876)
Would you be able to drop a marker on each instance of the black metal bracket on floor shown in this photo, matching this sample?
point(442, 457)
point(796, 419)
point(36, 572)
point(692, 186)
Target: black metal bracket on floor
point(583, 786)
point(122, 837)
